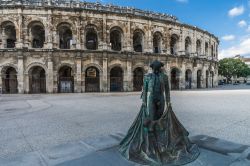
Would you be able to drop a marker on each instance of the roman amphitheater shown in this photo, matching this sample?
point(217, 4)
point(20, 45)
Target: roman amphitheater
point(53, 46)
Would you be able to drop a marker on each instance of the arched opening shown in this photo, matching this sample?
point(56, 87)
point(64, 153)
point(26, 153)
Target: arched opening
point(116, 39)
point(206, 49)
point(138, 79)
point(173, 44)
point(138, 41)
point(157, 42)
point(66, 80)
point(207, 79)
point(91, 39)
point(116, 79)
point(9, 80)
point(8, 35)
point(212, 51)
point(188, 79)
point(92, 80)
point(198, 47)
point(212, 78)
point(65, 36)
point(37, 79)
point(187, 45)
point(199, 79)
point(37, 33)
point(175, 79)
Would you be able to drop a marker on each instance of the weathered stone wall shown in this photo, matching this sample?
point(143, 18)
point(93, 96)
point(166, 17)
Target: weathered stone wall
point(23, 57)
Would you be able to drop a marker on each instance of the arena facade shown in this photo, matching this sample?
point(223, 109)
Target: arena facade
point(51, 46)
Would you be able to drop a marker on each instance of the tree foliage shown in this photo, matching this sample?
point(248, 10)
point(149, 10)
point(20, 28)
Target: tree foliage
point(230, 67)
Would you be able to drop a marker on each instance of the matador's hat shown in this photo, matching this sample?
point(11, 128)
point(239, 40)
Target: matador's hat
point(156, 65)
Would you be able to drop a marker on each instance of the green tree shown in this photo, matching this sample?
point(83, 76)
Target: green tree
point(230, 67)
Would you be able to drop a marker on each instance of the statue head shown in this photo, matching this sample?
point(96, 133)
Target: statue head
point(156, 66)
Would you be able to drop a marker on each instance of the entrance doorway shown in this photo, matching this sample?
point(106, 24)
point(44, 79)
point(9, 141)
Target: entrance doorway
point(66, 80)
point(92, 80)
point(199, 75)
point(9, 81)
point(138, 79)
point(175, 74)
point(37, 80)
point(116, 79)
point(188, 79)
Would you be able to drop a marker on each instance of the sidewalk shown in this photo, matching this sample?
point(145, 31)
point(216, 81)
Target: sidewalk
point(103, 151)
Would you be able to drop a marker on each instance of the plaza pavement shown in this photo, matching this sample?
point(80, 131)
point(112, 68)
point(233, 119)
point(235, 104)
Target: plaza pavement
point(84, 129)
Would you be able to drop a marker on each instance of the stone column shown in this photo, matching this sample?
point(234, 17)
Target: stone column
point(20, 72)
point(78, 84)
point(182, 75)
point(181, 48)
point(50, 78)
point(148, 43)
point(104, 82)
point(19, 42)
point(127, 38)
point(104, 33)
point(194, 78)
point(48, 31)
point(128, 76)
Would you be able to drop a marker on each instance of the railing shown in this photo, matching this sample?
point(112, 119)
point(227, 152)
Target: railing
point(90, 6)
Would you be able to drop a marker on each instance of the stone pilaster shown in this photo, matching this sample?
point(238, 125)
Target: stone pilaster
point(104, 43)
point(128, 76)
point(50, 78)
point(78, 84)
point(20, 72)
point(104, 82)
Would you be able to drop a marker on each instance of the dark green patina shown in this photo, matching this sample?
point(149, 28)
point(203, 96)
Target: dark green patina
point(156, 137)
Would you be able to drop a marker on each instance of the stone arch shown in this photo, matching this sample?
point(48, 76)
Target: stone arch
point(206, 48)
point(138, 74)
point(91, 37)
point(116, 38)
point(36, 32)
point(5, 66)
point(35, 64)
point(116, 76)
point(198, 47)
point(199, 78)
point(37, 79)
point(212, 51)
point(9, 79)
point(188, 79)
point(188, 45)
point(157, 42)
point(174, 40)
point(138, 40)
point(175, 78)
point(65, 79)
point(68, 65)
point(212, 78)
point(92, 79)
point(8, 32)
point(65, 34)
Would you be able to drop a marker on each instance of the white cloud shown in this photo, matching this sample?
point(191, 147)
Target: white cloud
point(240, 49)
point(242, 23)
point(228, 37)
point(248, 28)
point(236, 11)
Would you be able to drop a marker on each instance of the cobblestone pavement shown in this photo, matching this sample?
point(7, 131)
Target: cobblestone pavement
point(35, 122)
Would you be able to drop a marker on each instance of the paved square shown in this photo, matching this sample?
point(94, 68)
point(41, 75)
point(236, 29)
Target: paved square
point(36, 122)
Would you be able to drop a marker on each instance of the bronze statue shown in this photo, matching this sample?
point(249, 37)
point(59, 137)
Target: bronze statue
point(156, 137)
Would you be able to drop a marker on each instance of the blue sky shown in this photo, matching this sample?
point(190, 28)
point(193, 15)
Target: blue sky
point(227, 19)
